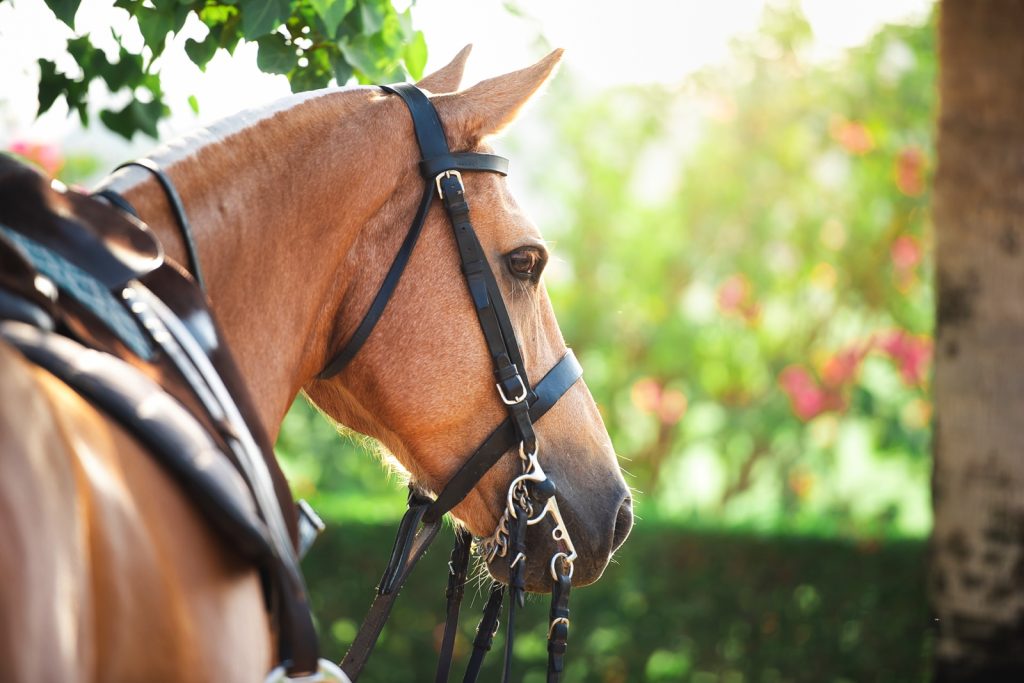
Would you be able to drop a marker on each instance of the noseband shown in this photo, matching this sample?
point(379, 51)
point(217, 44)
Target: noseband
point(531, 495)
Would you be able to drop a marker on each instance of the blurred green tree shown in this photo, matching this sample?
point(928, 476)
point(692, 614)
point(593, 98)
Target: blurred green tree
point(312, 42)
point(743, 273)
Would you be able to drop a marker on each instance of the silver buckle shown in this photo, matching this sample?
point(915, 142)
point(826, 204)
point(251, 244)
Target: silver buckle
point(446, 174)
point(518, 399)
point(556, 622)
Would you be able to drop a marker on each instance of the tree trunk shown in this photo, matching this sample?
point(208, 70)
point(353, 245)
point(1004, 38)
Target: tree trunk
point(977, 554)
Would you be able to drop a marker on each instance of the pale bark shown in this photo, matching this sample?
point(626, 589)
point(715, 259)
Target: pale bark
point(977, 561)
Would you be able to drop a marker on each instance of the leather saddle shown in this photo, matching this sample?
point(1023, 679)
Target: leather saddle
point(66, 260)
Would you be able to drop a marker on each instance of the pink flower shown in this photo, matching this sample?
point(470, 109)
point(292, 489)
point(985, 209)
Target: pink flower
point(806, 397)
point(651, 397)
point(906, 252)
point(736, 296)
point(43, 155)
point(646, 394)
point(672, 407)
point(910, 352)
point(842, 368)
point(853, 136)
point(910, 165)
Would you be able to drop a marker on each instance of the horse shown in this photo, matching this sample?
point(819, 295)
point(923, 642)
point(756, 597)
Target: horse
point(299, 208)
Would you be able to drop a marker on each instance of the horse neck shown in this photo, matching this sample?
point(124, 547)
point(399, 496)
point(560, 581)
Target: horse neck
point(276, 205)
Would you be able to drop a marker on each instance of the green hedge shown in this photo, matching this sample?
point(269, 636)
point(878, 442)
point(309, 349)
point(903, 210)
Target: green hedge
point(678, 605)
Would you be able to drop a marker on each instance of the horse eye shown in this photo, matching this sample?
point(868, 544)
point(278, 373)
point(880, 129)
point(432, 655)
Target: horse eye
point(526, 263)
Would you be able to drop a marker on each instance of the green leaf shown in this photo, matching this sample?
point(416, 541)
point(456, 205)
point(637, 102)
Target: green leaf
point(51, 85)
point(65, 10)
point(128, 71)
point(275, 55)
point(308, 78)
point(416, 55)
point(332, 12)
point(136, 116)
point(155, 26)
point(82, 50)
point(201, 52)
point(362, 54)
point(213, 15)
point(260, 18)
point(372, 13)
point(193, 103)
point(342, 69)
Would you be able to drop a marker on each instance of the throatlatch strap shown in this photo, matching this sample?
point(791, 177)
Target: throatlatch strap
point(387, 288)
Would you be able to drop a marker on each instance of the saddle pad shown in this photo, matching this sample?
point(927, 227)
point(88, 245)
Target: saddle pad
point(75, 282)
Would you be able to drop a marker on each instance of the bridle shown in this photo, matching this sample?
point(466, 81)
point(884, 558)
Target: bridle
point(531, 495)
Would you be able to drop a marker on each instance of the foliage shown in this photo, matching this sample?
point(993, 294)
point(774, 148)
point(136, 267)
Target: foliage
point(679, 606)
point(312, 42)
point(743, 272)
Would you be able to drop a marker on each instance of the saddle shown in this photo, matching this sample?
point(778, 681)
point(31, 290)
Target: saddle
point(87, 295)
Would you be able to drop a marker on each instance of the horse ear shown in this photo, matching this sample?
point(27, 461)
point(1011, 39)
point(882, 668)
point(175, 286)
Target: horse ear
point(447, 78)
point(489, 106)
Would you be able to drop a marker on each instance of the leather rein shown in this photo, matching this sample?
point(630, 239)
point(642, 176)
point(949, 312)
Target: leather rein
point(531, 495)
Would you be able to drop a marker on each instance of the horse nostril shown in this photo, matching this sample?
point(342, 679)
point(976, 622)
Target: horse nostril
point(623, 523)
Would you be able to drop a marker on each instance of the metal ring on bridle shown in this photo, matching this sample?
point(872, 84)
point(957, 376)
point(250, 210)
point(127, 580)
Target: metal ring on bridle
point(526, 457)
point(568, 562)
point(534, 472)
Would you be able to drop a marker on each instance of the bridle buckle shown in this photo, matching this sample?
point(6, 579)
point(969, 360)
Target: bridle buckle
point(446, 174)
point(518, 399)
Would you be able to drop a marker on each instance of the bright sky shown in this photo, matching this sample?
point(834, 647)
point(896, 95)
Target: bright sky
point(654, 41)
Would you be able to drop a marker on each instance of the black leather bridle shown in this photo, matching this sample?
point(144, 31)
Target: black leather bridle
point(531, 495)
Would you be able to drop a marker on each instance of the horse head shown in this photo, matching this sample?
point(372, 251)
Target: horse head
point(423, 384)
